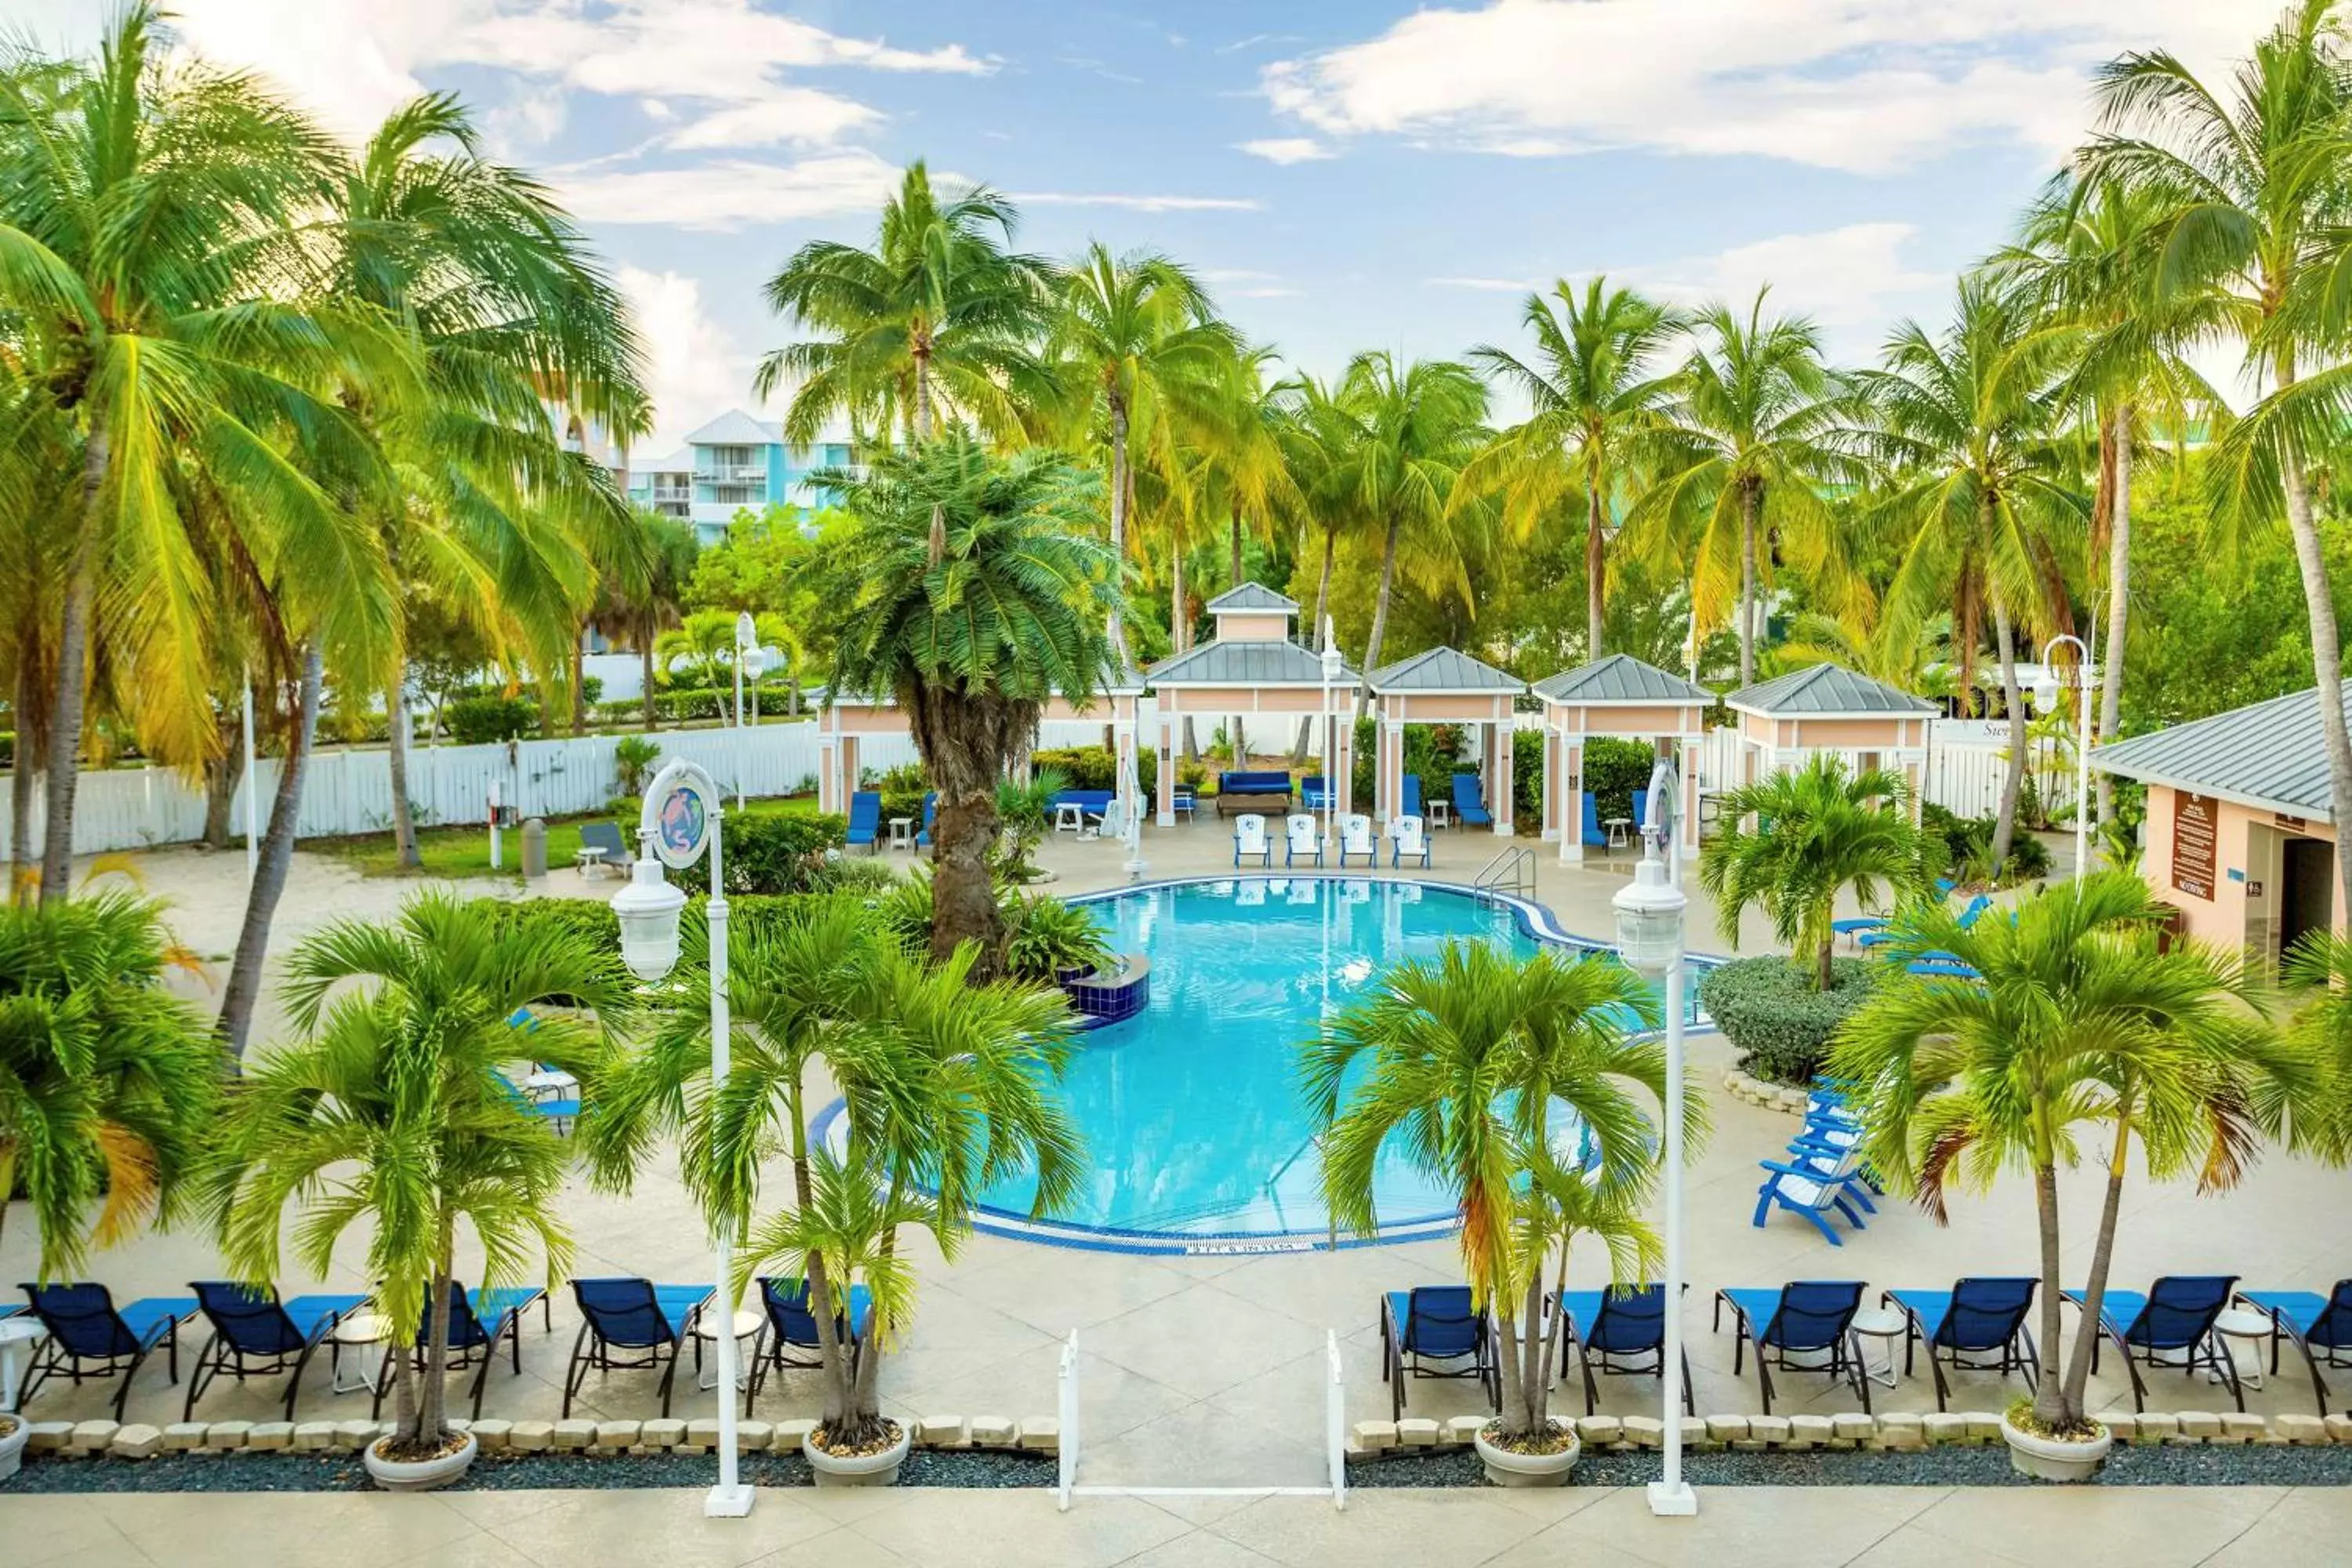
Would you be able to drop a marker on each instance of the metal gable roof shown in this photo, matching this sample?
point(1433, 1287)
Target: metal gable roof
point(1227, 663)
point(1443, 669)
point(734, 429)
point(2270, 753)
point(1251, 596)
point(1620, 678)
point(1825, 689)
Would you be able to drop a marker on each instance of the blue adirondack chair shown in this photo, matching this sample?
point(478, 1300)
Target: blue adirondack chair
point(1978, 1316)
point(865, 821)
point(2321, 1327)
point(1811, 1189)
point(1813, 1318)
point(1470, 803)
point(1314, 793)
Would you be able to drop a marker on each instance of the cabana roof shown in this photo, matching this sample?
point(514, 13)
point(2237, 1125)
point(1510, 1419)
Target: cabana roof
point(1444, 671)
point(1254, 598)
point(1127, 682)
point(1620, 680)
point(1826, 691)
point(1231, 663)
point(2269, 757)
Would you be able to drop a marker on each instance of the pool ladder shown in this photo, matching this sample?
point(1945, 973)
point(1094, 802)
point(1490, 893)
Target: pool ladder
point(1513, 871)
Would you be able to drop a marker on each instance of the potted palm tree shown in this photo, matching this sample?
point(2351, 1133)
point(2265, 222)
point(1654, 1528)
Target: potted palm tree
point(107, 1081)
point(944, 1084)
point(1526, 1084)
point(2086, 1031)
point(394, 1105)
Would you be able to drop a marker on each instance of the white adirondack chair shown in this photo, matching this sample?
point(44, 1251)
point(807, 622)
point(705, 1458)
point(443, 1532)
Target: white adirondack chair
point(1249, 838)
point(1301, 839)
point(1410, 841)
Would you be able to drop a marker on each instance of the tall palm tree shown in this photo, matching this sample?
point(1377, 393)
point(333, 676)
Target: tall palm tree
point(1459, 1060)
point(2250, 178)
point(1757, 442)
point(108, 1083)
point(1318, 434)
point(1818, 830)
point(393, 1108)
point(973, 635)
point(2319, 971)
point(1598, 393)
point(2086, 1026)
point(1136, 345)
point(655, 601)
point(1966, 424)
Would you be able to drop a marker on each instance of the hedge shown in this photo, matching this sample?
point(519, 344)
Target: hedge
point(771, 853)
point(1769, 1010)
point(479, 721)
point(675, 706)
point(1094, 767)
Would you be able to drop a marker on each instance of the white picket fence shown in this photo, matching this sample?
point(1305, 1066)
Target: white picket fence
point(1967, 760)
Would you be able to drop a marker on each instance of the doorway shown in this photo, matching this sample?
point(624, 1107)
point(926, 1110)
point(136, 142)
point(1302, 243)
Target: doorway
point(2306, 888)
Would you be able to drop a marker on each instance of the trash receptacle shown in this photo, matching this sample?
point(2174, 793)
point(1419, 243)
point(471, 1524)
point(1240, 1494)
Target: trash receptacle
point(534, 848)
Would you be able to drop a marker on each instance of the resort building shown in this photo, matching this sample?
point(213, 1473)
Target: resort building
point(736, 463)
point(1618, 696)
point(1786, 721)
point(2241, 832)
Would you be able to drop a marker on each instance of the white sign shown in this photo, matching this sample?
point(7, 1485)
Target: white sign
point(682, 825)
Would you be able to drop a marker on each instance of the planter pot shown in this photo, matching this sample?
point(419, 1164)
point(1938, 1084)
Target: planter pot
point(1505, 1468)
point(859, 1469)
point(15, 1433)
point(2053, 1458)
point(419, 1475)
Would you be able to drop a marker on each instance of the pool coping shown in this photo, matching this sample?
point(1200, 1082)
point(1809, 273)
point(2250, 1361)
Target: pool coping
point(1535, 920)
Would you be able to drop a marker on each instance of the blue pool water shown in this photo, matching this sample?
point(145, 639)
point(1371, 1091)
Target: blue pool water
point(1189, 1108)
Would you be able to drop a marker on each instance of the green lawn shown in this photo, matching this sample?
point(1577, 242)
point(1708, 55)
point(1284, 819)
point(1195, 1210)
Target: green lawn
point(466, 851)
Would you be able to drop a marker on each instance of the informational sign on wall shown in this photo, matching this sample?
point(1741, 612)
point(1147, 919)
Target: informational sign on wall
point(2196, 832)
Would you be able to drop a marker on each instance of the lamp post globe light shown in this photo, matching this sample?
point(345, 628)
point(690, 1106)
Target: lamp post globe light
point(1650, 941)
point(676, 827)
point(2047, 696)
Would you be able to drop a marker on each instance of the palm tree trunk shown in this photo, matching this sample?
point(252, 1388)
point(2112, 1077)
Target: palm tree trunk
point(63, 772)
point(1596, 569)
point(2111, 689)
point(404, 821)
point(20, 778)
point(1323, 585)
point(404, 1424)
point(2012, 783)
point(1235, 579)
point(2050, 1395)
point(1180, 624)
point(277, 857)
point(1117, 518)
point(1747, 510)
point(2095, 1288)
point(579, 681)
point(1379, 618)
point(645, 657)
point(433, 1399)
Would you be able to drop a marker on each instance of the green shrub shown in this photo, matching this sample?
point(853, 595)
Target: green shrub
point(1614, 768)
point(481, 721)
point(1087, 767)
point(1968, 842)
point(904, 913)
point(866, 874)
point(675, 706)
point(1782, 1026)
point(769, 853)
point(1049, 939)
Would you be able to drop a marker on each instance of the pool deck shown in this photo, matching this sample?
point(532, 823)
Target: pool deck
point(1206, 1370)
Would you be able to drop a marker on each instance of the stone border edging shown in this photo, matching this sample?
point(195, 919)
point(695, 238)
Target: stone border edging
point(1898, 1430)
point(1770, 1096)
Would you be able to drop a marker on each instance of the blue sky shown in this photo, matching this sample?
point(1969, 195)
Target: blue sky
point(1345, 175)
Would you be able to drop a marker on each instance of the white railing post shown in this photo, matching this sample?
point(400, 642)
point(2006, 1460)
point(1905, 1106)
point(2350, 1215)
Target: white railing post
point(1335, 1408)
point(1068, 1453)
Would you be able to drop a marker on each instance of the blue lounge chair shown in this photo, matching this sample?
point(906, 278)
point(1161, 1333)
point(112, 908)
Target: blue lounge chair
point(930, 819)
point(1811, 1188)
point(1968, 917)
point(1805, 1317)
point(1314, 793)
point(2321, 1327)
point(605, 838)
point(865, 821)
point(255, 1334)
point(791, 1329)
point(1183, 801)
point(1589, 831)
point(1976, 1316)
point(478, 1320)
point(2174, 1319)
point(1619, 1328)
point(645, 1322)
point(1941, 968)
point(85, 1327)
point(1434, 1323)
point(1470, 803)
point(1410, 805)
point(1640, 811)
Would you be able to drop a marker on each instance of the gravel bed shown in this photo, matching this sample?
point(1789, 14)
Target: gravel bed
point(283, 1472)
point(2153, 1466)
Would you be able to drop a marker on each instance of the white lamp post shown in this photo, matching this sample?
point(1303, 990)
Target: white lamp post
point(1331, 668)
point(678, 827)
point(2046, 698)
point(752, 663)
point(1650, 941)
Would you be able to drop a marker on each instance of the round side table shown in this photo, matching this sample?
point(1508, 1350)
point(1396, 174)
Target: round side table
point(357, 1356)
point(1887, 1326)
point(2239, 1324)
point(747, 1328)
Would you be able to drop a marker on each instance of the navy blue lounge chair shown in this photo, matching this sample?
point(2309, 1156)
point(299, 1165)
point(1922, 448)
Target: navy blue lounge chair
point(84, 1326)
point(255, 1334)
point(791, 1329)
point(605, 836)
point(2170, 1327)
point(1314, 793)
point(1435, 1323)
point(645, 1323)
point(1977, 1318)
point(930, 817)
point(1589, 832)
point(1885, 932)
point(1811, 1317)
point(1411, 803)
point(478, 1320)
point(2321, 1327)
point(1624, 1331)
point(1470, 803)
point(865, 821)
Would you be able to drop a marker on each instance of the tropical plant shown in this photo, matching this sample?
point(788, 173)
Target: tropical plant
point(700, 651)
point(108, 1083)
point(1025, 810)
point(633, 757)
point(1598, 400)
point(1797, 838)
point(1051, 939)
point(1779, 1017)
point(945, 1079)
point(2319, 972)
point(2086, 1027)
point(653, 601)
point(1462, 1062)
point(392, 1114)
point(972, 627)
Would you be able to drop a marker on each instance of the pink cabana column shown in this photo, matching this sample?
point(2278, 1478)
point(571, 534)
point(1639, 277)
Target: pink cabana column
point(1499, 795)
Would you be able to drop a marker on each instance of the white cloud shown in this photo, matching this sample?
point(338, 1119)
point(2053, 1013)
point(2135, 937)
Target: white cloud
point(529, 118)
point(800, 114)
point(1493, 285)
point(1836, 83)
point(1286, 149)
point(1853, 277)
point(692, 369)
point(1136, 204)
point(730, 193)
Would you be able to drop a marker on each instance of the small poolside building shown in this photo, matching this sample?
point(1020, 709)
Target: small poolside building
point(1618, 696)
point(2241, 831)
point(1786, 721)
point(1445, 686)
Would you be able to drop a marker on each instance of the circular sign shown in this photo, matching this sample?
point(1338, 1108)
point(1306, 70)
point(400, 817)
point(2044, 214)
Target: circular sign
point(682, 825)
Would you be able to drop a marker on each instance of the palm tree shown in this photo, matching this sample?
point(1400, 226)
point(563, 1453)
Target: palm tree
point(108, 1083)
point(1136, 342)
point(1459, 1061)
point(945, 1081)
point(2318, 974)
point(2250, 181)
point(1758, 441)
point(1598, 398)
point(655, 601)
point(1817, 831)
point(1982, 488)
point(1318, 434)
point(393, 1109)
point(973, 623)
point(929, 326)
point(2086, 1029)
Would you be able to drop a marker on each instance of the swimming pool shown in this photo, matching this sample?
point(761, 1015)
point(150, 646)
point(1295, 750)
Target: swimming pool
point(1196, 1132)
